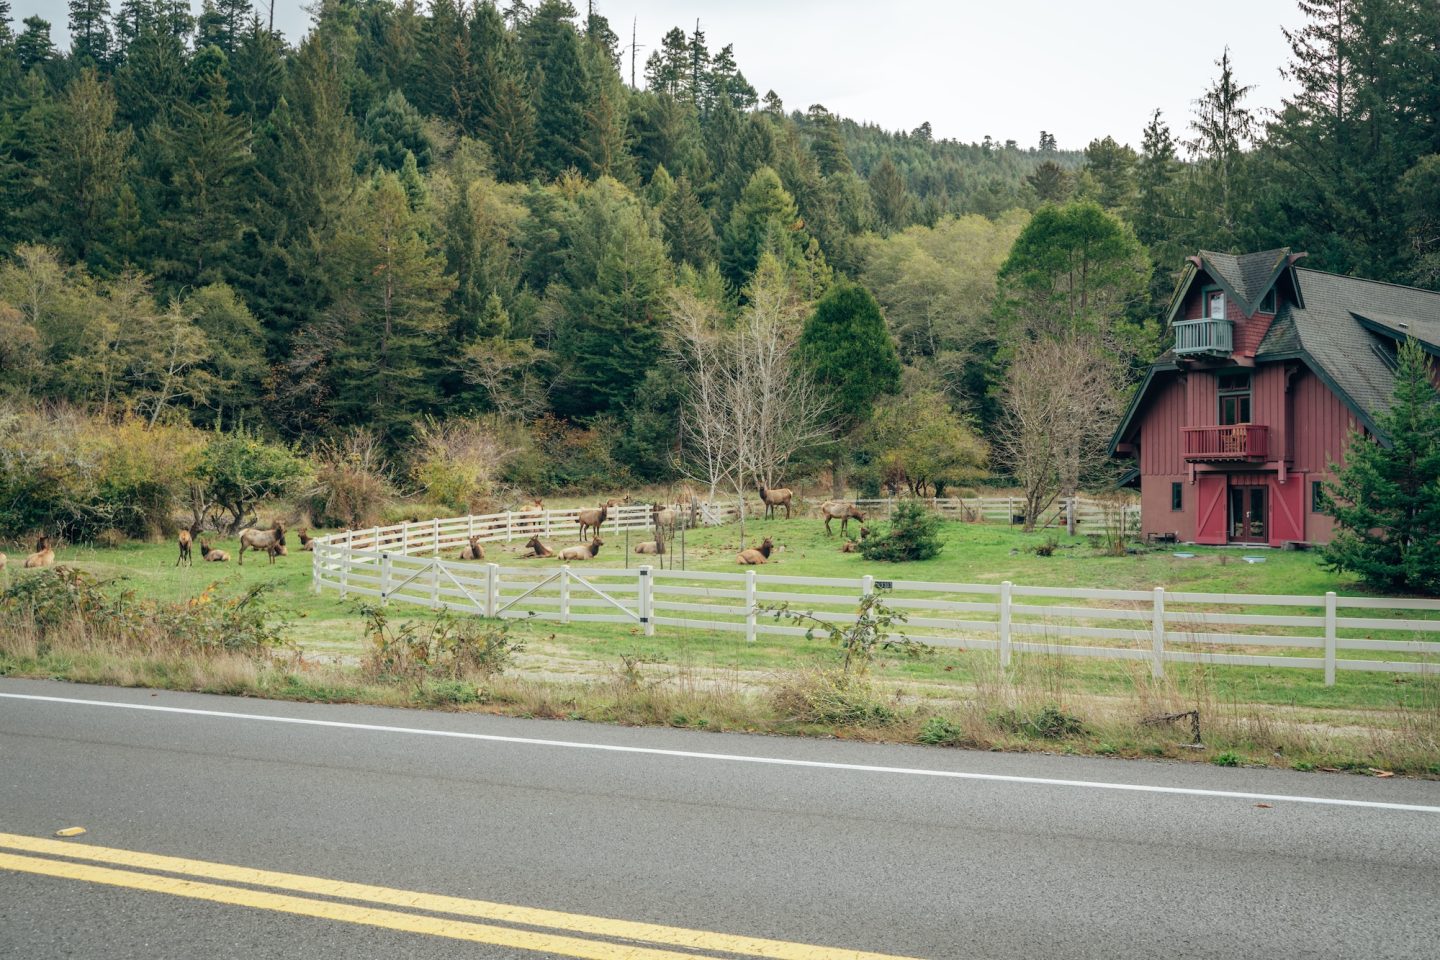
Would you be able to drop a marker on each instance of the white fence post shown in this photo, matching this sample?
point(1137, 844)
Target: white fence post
point(469, 527)
point(435, 536)
point(565, 593)
point(347, 557)
point(509, 526)
point(1070, 516)
point(384, 579)
point(867, 585)
point(647, 600)
point(1330, 644)
point(1005, 623)
point(435, 583)
point(492, 589)
point(750, 609)
point(1157, 635)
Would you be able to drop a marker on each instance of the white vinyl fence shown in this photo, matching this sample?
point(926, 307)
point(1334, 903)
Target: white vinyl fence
point(403, 564)
point(1089, 515)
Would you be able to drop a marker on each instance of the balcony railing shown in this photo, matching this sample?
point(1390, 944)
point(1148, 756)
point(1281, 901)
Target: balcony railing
point(1240, 441)
point(1204, 336)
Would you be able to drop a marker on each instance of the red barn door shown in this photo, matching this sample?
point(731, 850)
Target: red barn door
point(1211, 515)
point(1287, 509)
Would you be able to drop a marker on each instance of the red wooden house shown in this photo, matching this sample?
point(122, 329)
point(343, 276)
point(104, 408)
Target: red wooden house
point(1272, 365)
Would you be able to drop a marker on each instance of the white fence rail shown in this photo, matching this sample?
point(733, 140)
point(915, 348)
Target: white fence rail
point(1087, 514)
point(402, 565)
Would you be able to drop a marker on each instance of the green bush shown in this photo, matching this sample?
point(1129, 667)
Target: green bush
point(940, 732)
point(237, 470)
point(914, 534)
point(352, 485)
point(448, 647)
point(833, 698)
point(1047, 723)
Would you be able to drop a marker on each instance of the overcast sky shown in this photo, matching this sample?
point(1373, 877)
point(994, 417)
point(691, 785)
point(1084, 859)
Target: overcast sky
point(1007, 68)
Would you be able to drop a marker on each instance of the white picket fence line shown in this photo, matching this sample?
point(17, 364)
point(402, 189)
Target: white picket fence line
point(403, 564)
point(1087, 513)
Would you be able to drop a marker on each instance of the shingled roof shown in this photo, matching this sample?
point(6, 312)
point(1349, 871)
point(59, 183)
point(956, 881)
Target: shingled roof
point(1248, 275)
point(1346, 328)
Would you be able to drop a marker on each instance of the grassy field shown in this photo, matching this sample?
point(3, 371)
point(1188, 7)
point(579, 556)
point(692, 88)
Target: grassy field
point(577, 657)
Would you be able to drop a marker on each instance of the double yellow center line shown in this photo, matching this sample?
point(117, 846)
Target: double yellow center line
point(553, 932)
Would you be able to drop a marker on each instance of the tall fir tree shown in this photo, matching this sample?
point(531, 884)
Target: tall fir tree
point(90, 32)
point(557, 80)
point(765, 219)
point(85, 162)
point(1223, 126)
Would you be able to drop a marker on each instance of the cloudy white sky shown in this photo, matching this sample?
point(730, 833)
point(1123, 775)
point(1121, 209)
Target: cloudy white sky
point(1007, 68)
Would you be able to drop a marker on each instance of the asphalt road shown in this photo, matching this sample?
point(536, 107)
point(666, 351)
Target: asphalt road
point(827, 847)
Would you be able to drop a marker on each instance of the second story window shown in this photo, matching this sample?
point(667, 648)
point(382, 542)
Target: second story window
point(1234, 390)
point(1215, 305)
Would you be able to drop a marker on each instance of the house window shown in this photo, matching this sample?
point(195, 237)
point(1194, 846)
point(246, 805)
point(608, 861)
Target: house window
point(1215, 305)
point(1267, 303)
point(1234, 390)
point(1317, 496)
point(1177, 496)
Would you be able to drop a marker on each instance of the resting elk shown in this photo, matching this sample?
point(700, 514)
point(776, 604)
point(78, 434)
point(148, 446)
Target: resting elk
point(778, 497)
point(651, 546)
point(474, 550)
point(211, 555)
point(591, 518)
point(839, 510)
point(755, 555)
point(44, 555)
point(263, 541)
point(307, 542)
point(584, 551)
point(534, 548)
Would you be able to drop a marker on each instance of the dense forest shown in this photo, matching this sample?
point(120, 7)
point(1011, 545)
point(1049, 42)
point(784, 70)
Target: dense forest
point(468, 211)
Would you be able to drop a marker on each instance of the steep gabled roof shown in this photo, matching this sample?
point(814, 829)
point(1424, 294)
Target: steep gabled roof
point(1247, 276)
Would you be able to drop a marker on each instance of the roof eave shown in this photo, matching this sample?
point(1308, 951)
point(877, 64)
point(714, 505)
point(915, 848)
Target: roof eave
point(1123, 430)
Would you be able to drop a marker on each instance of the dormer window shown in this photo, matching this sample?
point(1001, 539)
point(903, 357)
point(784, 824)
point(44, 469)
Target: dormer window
point(1215, 305)
point(1267, 303)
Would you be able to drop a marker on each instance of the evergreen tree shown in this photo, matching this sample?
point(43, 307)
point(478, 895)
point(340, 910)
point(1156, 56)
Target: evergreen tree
point(154, 78)
point(1223, 125)
point(1050, 182)
point(888, 194)
point(257, 72)
point(848, 349)
point(1386, 497)
point(665, 69)
point(33, 48)
point(90, 32)
point(764, 219)
point(689, 236)
point(85, 162)
point(557, 78)
point(1111, 166)
point(7, 34)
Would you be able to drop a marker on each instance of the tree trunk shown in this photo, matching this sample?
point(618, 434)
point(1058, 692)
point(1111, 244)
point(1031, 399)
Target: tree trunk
point(837, 475)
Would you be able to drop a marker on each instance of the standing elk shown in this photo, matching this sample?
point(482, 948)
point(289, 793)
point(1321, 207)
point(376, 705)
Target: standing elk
point(185, 539)
point(263, 541)
point(211, 555)
point(584, 551)
point(474, 550)
point(755, 555)
point(663, 517)
point(839, 510)
point(591, 518)
point(778, 497)
point(44, 555)
point(534, 549)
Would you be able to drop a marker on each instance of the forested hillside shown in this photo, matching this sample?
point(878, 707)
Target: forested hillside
point(464, 210)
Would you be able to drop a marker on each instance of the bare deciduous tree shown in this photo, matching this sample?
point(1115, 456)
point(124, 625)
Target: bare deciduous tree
point(1059, 400)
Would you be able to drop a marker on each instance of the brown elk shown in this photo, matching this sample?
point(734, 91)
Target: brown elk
point(590, 519)
point(262, 541)
point(618, 502)
point(211, 555)
point(3, 561)
point(535, 549)
point(663, 517)
point(44, 555)
point(651, 546)
point(853, 546)
point(185, 539)
point(755, 555)
point(307, 542)
point(583, 551)
point(276, 550)
point(474, 550)
point(778, 497)
point(839, 510)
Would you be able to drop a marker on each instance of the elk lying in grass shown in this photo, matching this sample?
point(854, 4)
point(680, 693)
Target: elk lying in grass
point(583, 551)
point(651, 546)
point(263, 541)
point(3, 561)
point(535, 549)
point(44, 555)
point(474, 550)
point(755, 555)
point(853, 546)
point(307, 542)
point(211, 555)
point(839, 510)
point(591, 519)
point(777, 497)
point(185, 539)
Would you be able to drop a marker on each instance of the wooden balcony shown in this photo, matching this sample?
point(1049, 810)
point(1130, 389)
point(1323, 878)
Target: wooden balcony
point(1241, 441)
point(1196, 337)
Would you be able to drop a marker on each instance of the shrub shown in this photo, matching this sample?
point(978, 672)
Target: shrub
point(940, 732)
point(1048, 723)
point(448, 647)
point(556, 457)
point(914, 534)
point(1046, 549)
point(831, 697)
point(237, 470)
point(352, 485)
point(1226, 759)
point(857, 641)
point(456, 462)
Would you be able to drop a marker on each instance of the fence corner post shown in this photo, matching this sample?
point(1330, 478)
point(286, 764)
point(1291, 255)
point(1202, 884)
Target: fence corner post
point(565, 593)
point(647, 599)
point(492, 589)
point(1157, 635)
point(1005, 623)
point(1330, 641)
point(750, 609)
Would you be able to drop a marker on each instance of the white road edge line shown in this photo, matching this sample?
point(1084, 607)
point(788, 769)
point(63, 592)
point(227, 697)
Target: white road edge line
point(740, 758)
